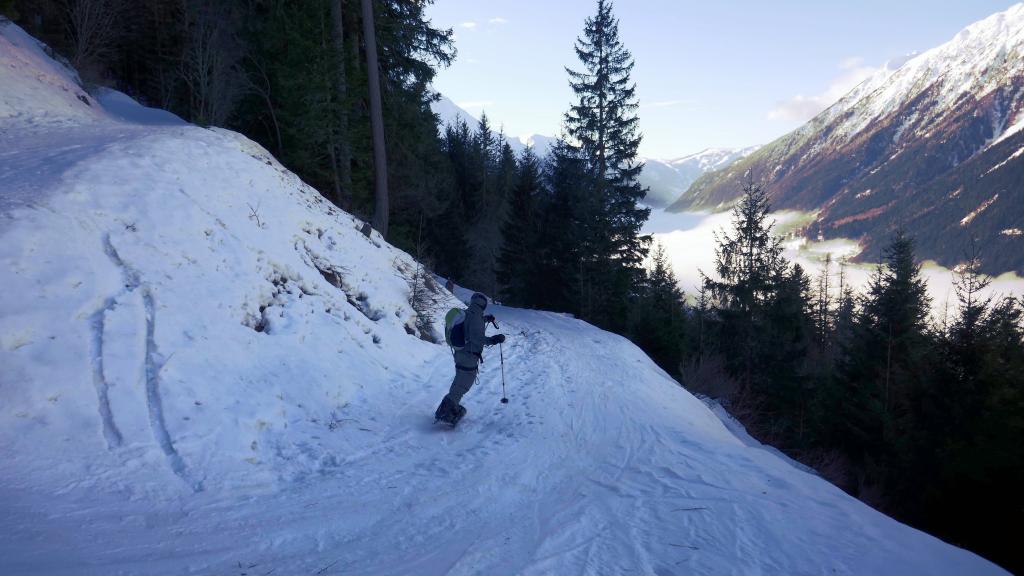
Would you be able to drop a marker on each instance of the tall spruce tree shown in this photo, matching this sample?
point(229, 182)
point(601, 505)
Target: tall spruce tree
point(888, 362)
point(516, 272)
point(603, 124)
point(560, 244)
point(659, 319)
point(291, 52)
point(784, 343)
point(749, 265)
point(410, 51)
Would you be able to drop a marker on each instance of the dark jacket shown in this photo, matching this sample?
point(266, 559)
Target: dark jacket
point(471, 355)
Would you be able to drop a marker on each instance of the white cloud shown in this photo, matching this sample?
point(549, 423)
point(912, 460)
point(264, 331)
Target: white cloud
point(468, 24)
point(498, 20)
point(802, 108)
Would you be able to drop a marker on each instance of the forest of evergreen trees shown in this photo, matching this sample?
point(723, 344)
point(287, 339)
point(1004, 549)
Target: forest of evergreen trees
point(921, 419)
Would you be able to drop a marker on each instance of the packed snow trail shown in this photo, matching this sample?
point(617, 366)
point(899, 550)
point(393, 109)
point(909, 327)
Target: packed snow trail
point(573, 476)
point(207, 369)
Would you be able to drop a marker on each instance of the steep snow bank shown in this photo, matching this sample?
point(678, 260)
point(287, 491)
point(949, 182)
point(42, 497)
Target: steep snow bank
point(37, 90)
point(208, 369)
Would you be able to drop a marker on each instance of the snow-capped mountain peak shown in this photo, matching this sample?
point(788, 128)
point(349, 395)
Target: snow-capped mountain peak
point(978, 60)
point(947, 119)
point(711, 159)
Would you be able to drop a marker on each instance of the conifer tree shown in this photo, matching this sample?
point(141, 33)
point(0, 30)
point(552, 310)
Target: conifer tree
point(659, 323)
point(604, 126)
point(749, 265)
point(515, 266)
point(294, 52)
point(888, 362)
point(561, 242)
point(784, 343)
point(823, 315)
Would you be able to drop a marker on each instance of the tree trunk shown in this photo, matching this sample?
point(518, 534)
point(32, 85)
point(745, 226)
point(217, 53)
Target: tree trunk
point(380, 165)
point(344, 153)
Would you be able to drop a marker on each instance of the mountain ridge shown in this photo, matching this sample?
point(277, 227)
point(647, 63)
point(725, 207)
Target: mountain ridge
point(915, 145)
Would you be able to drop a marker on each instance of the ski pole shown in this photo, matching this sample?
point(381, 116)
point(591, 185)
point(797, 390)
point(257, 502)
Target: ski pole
point(504, 399)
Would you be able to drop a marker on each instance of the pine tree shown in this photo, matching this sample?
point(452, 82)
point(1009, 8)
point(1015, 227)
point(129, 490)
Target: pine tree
point(516, 271)
point(785, 344)
point(482, 197)
point(482, 161)
point(845, 311)
point(749, 264)
point(659, 323)
point(293, 50)
point(452, 228)
point(604, 126)
point(381, 211)
point(561, 243)
point(887, 363)
point(823, 315)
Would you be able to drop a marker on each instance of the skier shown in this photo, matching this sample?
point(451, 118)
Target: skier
point(467, 359)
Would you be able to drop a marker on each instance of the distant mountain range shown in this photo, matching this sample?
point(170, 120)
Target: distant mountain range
point(449, 113)
point(935, 143)
point(666, 180)
point(669, 180)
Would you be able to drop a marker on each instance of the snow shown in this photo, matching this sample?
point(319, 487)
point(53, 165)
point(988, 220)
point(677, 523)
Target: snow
point(979, 59)
point(32, 81)
point(1010, 131)
point(124, 107)
point(974, 213)
point(1017, 154)
point(740, 431)
point(207, 369)
point(711, 159)
point(449, 113)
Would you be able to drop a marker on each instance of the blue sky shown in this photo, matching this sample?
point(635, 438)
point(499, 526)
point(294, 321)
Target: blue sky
point(708, 74)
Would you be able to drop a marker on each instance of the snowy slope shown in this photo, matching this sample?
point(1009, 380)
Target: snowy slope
point(980, 59)
point(38, 91)
point(449, 113)
point(207, 369)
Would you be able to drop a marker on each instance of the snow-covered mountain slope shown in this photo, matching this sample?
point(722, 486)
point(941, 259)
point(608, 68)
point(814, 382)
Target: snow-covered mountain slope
point(669, 180)
point(927, 143)
point(207, 369)
point(450, 113)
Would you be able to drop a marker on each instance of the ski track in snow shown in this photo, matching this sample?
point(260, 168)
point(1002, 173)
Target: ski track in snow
point(154, 364)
